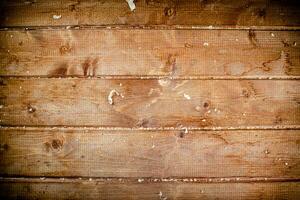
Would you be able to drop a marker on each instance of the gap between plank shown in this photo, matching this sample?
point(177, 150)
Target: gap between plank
point(55, 127)
point(154, 77)
point(146, 180)
point(152, 27)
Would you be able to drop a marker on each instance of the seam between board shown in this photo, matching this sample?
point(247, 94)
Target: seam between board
point(224, 128)
point(147, 179)
point(153, 77)
point(151, 27)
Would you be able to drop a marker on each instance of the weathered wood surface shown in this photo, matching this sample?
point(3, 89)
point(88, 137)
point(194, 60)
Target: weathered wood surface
point(150, 12)
point(138, 153)
point(176, 53)
point(149, 103)
point(82, 189)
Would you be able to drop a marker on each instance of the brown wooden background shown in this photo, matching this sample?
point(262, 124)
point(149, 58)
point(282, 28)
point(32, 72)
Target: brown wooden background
point(176, 100)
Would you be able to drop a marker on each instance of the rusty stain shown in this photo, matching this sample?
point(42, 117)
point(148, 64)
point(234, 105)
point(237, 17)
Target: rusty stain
point(73, 7)
point(86, 66)
point(143, 123)
point(286, 62)
point(89, 67)
point(170, 65)
point(205, 105)
point(245, 93)
point(2, 83)
point(219, 137)
point(13, 59)
point(285, 43)
point(252, 37)
point(278, 119)
point(47, 146)
point(265, 67)
point(60, 71)
point(111, 95)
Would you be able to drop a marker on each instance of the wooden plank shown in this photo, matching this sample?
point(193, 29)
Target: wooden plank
point(150, 12)
point(149, 103)
point(138, 153)
point(176, 53)
point(44, 189)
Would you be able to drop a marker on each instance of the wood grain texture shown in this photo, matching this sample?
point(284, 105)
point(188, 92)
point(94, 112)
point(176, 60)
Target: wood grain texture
point(149, 103)
point(44, 189)
point(99, 153)
point(150, 12)
point(174, 53)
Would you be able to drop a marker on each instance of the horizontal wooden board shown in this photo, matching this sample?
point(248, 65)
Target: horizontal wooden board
point(175, 53)
point(150, 12)
point(162, 191)
point(116, 153)
point(149, 103)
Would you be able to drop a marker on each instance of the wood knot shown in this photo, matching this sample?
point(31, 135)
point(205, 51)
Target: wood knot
point(65, 49)
point(30, 108)
point(54, 145)
point(61, 71)
point(205, 105)
point(169, 12)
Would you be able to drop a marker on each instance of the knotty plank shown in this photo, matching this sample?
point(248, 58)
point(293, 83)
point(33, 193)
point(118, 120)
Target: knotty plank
point(149, 103)
point(150, 12)
point(44, 189)
point(176, 53)
point(137, 153)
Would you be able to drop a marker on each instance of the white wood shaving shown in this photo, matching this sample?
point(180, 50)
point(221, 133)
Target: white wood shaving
point(56, 16)
point(131, 4)
point(110, 96)
point(187, 96)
